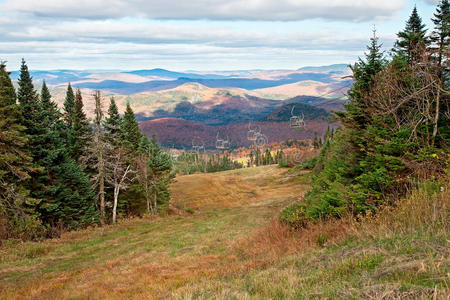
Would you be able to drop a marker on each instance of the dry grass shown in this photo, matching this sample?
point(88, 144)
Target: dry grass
point(232, 247)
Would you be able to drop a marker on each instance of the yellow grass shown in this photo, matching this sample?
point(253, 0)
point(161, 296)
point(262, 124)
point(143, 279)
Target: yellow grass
point(233, 247)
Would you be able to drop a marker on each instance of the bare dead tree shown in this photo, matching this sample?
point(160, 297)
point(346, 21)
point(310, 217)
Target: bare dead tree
point(412, 96)
point(94, 158)
point(119, 174)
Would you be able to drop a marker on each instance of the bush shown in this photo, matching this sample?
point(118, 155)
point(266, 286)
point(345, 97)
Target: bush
point(294, 215)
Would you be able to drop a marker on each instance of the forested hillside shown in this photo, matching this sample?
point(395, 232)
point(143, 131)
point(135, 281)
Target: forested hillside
point(60, 172)
point(395, 129)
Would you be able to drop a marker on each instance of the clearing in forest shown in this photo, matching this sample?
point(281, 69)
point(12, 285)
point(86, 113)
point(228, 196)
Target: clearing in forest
point(153, 256)
point(222, 241)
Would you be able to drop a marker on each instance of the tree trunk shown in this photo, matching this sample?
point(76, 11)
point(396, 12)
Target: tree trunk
point(116, 198)
point(436, 116)
point(154, 200)
point(101, 174)
point(102, 200)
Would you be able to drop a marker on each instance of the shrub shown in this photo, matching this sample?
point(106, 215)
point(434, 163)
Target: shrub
point(294, 215)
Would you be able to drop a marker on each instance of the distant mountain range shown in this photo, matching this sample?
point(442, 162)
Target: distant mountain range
point(181, 105)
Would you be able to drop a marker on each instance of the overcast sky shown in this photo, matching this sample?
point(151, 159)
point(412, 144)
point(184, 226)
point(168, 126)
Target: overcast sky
point(196, 34)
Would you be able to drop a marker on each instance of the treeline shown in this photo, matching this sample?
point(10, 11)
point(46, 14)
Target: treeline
point(59, 171)
point(395, 129)
point(264, 158)
point(191, 163)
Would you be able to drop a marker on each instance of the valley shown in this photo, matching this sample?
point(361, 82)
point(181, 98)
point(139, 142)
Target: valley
point(179, 107)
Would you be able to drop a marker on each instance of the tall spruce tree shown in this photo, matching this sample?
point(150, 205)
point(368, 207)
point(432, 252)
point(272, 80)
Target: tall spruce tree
point(48, 105)
point(63, 187)
point(113, 123)
point(412, 41)
point(363, 75)
point(439, 49)
point(440, 39)
point(131, 133)
point(59, 183)
point(159, 167)
point(69, 106)
point(28, 99)
point(17, 209)
point(81, 131)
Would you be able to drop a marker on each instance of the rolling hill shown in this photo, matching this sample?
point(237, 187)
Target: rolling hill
point(179, 133)
point(179, 106)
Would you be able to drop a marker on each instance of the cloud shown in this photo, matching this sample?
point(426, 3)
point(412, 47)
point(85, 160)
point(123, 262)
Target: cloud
point(433, 2)
point(266, 10)
point(116, 31)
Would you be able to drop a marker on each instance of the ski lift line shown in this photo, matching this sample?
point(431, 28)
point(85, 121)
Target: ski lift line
point(296, 121)
point(221, 143)
point(330, 92)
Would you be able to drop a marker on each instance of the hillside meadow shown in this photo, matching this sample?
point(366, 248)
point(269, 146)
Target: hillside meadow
point(222, 240)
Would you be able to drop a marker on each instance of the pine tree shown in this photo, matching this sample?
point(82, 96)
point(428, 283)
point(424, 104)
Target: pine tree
point(159, 169)
point(113, 123)
point(48, 105)
point(131, 133)
point(364, 72)
point(412, 40)
point(28, 99)
point(439, 48)
point(69, 106)
point(7, 92)
point(316, 141)
point(440, 39)
point(81, 131)
point(17, 209)
point(64, 189)
point(59, 183)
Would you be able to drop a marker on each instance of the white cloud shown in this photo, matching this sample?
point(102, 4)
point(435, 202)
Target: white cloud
point(280, 10)
point(433, 2)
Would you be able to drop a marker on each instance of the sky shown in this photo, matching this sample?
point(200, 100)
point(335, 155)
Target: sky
point(197, 34)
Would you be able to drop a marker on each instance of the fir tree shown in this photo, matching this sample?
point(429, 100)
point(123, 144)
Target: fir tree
point(440, 39)
point(47, 105)
point(69, 106)
point(28, 99)
point(7, 92)
point(81, 131)
point(113, 123)
point(59, 183)
point(412, 40)
point(364, 72)
point(131, 134)
point(159, 169)
point(64, 189)
point(17, 213)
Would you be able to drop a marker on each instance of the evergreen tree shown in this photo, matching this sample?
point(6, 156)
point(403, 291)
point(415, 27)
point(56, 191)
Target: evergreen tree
point(440, 39)
point(81, 131)
point(412, 40)
point(316, 144)
point(113, 123)
point(131, 133)
point(69, 106)
point(62, 186)
point(7, 92)
point(28, 99)
point(59, 183)
point(47, 105)
point(17, 209)
point(159, 166)
point(364, 72)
